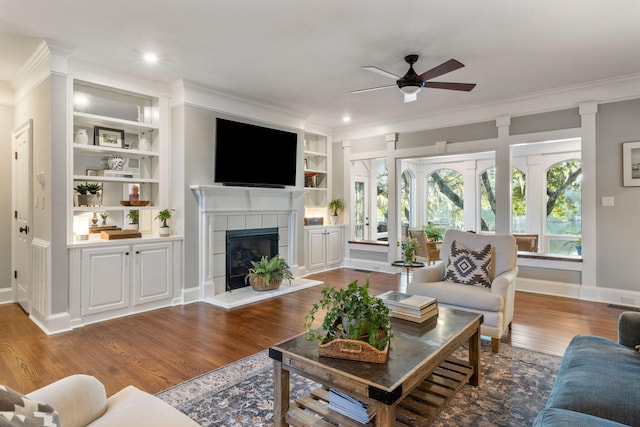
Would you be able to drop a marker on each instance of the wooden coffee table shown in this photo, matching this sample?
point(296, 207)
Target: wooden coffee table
point(418, 379)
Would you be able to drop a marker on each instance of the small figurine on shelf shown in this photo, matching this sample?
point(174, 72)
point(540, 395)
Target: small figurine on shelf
point(104, 216)
point(134, 196)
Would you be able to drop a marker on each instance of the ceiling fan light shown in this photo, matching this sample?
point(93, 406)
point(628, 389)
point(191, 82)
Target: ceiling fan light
point(410, 89)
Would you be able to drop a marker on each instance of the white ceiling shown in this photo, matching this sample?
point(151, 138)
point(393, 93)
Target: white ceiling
point(306, 56)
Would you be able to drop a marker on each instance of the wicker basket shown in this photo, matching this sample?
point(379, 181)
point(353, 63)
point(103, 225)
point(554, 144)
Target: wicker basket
point(258, 284)
point(353, 350)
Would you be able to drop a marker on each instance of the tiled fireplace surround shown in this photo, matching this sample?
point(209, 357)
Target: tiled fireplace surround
point(239, 208)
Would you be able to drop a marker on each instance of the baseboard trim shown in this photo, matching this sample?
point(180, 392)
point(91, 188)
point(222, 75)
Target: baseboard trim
point(6, 295)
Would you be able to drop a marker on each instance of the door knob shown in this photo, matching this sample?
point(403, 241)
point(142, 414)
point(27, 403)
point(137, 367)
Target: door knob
point(24, 229)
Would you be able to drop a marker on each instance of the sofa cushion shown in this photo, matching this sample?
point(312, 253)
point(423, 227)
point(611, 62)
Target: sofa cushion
point(134, 407)
point(18, 410)
point(599, 377)
point(562, 418)
point(456, 294)
point(469, 266)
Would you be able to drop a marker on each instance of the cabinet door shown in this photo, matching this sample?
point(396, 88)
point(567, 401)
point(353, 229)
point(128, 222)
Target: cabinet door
point(315, 248)
point(152, 272)
point(105, 279)
point(333, 246)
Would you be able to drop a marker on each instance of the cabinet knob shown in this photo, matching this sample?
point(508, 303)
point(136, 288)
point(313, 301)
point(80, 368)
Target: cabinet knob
point(126, 253)
point(137, 252)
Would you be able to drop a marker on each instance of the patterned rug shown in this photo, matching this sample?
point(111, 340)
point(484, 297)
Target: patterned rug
point(514, 387)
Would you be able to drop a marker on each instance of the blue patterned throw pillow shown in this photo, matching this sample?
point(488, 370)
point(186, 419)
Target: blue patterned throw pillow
point(470, 267)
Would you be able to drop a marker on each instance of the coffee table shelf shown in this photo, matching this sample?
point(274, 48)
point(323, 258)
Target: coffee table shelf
point(419, 408)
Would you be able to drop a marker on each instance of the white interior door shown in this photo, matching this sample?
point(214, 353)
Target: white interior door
point(21, 214)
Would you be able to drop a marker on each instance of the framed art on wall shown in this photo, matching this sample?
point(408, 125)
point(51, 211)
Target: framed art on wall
point(631, 164)
point(107, 137)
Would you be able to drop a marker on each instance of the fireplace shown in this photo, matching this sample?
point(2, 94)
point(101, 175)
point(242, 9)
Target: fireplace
point(244, 246)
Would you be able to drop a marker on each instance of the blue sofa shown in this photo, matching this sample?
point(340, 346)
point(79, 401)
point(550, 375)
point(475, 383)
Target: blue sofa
point(598, 383)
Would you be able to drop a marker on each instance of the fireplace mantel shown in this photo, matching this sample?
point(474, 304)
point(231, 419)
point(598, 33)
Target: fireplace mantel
point(223, 208)
point(222, 199)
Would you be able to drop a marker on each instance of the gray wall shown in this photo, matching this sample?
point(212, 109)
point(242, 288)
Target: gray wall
point(6, 126)
point(618, 227)
point(472, 132)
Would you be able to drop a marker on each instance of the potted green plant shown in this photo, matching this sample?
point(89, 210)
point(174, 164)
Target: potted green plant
point(434, 233)
point(267, 274)
point(164, 216)
point(335, 205)
point(134, 219)
point(352, 315)
point(88, 194)
point(409, 247)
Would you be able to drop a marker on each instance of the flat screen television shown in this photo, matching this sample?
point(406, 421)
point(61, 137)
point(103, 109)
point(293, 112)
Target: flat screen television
point(255, 156)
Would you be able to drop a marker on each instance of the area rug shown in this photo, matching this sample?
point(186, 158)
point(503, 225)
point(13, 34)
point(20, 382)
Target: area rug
point(514, 386)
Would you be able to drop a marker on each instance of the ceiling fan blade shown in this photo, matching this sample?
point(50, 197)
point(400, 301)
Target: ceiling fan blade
point(410, 97)
point(381, 72)
point(371, 89)
point(451, 86)
point(444, 68)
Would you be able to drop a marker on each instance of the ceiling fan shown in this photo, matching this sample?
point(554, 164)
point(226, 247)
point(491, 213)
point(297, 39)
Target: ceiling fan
point(412, 83)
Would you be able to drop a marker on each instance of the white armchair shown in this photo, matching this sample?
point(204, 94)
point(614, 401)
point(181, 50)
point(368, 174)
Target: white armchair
point(495, 303)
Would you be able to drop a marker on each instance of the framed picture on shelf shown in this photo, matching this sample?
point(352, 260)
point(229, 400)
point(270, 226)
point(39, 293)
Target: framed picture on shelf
point(106, 137)
point(631, 164)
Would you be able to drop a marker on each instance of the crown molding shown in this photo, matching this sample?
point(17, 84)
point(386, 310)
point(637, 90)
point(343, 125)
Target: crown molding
point(186, 92)
point(601, 91)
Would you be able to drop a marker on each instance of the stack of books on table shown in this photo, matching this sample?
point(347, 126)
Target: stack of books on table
point(350, 407)
point(414, 308)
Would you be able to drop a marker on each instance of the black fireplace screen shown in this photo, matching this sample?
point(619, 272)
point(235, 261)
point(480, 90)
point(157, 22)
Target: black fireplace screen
point(244, 246)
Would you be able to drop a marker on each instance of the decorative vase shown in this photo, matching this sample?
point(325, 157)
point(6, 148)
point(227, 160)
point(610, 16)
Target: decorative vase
point(409, 256)
point(81, 137)
point(116, 162)
point(88, 199)
point(143, 143)
point(334, 219)
point(258, 284)
point(165, 231)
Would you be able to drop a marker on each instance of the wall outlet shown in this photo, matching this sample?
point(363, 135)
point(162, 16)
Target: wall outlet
point(608, 201)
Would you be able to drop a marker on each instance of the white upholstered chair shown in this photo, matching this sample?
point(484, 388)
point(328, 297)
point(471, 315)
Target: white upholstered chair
point(495, 303)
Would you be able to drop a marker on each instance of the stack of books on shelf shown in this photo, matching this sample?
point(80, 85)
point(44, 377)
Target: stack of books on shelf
point(115, 173)
point(350, 407)
point(414, 308)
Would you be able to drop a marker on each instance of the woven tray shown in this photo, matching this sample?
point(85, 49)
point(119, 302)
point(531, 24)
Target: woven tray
point(353, 350)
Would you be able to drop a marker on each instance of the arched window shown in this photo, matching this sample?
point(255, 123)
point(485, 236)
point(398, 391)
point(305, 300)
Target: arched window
point(518, 201)
point(488, 200)
point(445, 199)
point(564, 207)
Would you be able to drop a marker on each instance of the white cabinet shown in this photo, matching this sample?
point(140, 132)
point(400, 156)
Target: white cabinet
point(323, 248)
point(117, 279)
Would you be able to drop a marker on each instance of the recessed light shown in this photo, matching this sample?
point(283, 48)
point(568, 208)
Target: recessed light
point(150, 57)
point(346, 119)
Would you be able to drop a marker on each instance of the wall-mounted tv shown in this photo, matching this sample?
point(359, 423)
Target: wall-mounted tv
point(256, 156)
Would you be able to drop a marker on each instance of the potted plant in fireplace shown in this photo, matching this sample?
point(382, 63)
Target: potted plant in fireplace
point(268, 274)
point(356, 325)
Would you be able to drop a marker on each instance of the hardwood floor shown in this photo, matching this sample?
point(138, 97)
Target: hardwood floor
point(160, 348)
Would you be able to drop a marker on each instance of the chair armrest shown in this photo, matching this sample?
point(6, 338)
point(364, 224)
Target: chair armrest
point(503, 282)
point(431, 273)
point(78, 399)
point(629, 329)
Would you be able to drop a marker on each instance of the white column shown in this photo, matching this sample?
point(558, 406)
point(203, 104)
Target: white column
point(393, 219)
point(503, 177)
point(588, 112)
point(347, 192)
